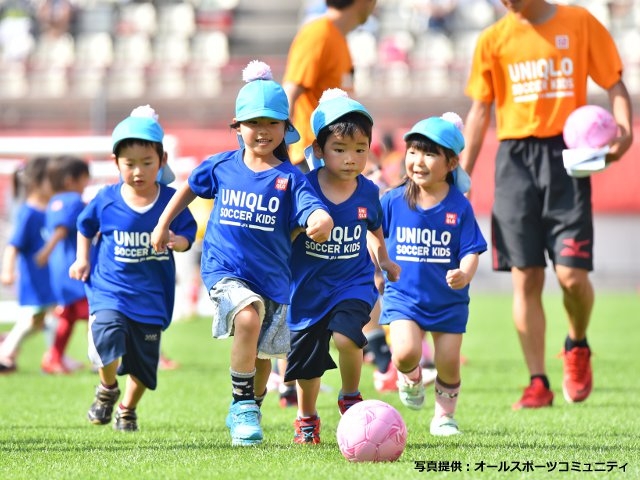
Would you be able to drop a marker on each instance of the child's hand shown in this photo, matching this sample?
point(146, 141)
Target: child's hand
point(457, 279)
point(160, 238)
point(319, 225)
point(80, 270)
point(392, 269)
point(41, 258)
point(8, 278)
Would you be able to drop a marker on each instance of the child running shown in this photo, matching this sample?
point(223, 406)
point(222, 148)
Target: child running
point(333, 291)
point(130, 286)
point(68, 177)
point(260, 198)
point(433, 234)
point(33, 289)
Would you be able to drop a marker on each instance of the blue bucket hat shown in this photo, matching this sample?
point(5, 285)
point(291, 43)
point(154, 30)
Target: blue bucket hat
point(333, 104)
point(263, 97)
point(142, 124)
point(446, 132)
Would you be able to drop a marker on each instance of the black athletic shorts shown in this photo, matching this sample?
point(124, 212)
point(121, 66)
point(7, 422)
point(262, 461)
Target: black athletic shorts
point(539, 211)
point(309, 356)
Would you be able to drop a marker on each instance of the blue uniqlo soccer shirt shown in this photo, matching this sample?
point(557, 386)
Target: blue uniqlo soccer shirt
point(62, 211)
point(128, 275)
point(427, 243)
point(248, 234)
point(325, 274)
point(34, 288)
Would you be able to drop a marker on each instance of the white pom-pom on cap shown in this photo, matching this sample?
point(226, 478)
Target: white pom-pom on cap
point(257, 70)
point(331, 93)
point(453, 118)
point(144, 111)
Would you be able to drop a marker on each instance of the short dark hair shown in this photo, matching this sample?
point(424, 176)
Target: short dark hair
point(128, 142)
point(346, 126)
point(340, 4)
point(63, 167)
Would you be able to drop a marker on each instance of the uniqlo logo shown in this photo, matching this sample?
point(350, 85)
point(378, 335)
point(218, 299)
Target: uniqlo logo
point(362, 213)
point(451, 218)
point(281, 184)
point(562, 42)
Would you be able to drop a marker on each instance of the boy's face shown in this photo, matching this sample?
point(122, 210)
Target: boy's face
point(138, 165)
point(76, 184)
point(344, 157)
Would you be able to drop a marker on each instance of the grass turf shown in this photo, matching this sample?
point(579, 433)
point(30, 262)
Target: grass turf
point(44, 433)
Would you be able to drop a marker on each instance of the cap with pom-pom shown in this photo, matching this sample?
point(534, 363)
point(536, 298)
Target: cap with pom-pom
point(263, 97)
point(447, 132)
point(333, 104)
point(142, 124)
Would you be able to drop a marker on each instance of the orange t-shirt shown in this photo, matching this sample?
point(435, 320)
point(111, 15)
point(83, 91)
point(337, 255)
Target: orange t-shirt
point(537, 74)
point(318, 59)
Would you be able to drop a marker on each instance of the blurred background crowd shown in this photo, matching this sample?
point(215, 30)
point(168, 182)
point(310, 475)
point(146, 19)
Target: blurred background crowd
point(99, 53)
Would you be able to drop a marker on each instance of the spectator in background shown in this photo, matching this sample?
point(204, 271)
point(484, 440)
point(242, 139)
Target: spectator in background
point(319, 59)
point(55, 17)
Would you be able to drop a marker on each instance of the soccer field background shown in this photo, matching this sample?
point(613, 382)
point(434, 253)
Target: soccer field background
point(44, 433)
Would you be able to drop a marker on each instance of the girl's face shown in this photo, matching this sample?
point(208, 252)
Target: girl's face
point(262, 135)
point(138, 165)
point(427, 170)
point(344, 157)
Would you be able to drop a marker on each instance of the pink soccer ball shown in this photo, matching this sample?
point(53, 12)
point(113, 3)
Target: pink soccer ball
point(371, 431)
point(589, 126)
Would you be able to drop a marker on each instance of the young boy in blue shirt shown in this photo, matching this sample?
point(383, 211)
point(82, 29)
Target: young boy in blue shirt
point(130, 286)
point(333, 289)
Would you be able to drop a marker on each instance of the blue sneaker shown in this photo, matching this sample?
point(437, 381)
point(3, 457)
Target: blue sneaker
point(243, 422)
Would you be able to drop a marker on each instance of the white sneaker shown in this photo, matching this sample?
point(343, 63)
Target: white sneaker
point(444, 426)
point(411, 394)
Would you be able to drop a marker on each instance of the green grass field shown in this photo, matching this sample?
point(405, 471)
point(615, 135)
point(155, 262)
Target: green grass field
point(44, 433)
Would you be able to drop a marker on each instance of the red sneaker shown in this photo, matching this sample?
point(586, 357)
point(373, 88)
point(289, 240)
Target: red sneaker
point(50, 367)
point(578, 377)
point(347, 401)
point(536, 395)
point(386, 382)
point(307, 430)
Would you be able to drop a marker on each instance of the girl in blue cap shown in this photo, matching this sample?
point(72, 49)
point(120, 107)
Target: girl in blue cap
point(433, 235)
point(129, 285)
point(341, 268)
point(260, 198)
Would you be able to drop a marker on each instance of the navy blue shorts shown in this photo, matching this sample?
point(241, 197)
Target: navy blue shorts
point(114, 336)
point(539, 210)
point(309, 356)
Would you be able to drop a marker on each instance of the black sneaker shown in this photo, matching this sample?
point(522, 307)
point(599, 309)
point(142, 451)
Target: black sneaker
point(126, 420)
point(102, 407)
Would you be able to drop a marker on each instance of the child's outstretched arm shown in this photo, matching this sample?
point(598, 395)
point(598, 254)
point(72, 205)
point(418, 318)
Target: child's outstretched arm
point(59, 234)
point(319, 225)
point(458, 278)
point(82, 266)
point(377, 246)
point(161, 237)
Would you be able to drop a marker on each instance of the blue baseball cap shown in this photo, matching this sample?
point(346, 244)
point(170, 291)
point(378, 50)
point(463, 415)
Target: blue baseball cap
point(143, 125)
point(333, 104)
point(143, 128)
point(444, 131)
point(263, 97)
